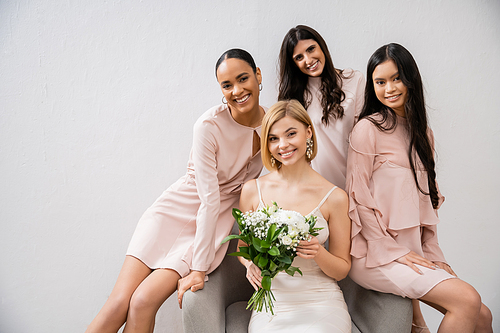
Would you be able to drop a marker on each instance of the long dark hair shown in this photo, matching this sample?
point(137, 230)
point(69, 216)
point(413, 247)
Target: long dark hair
point(293, 83)
point(415, 111)
point(236, 54)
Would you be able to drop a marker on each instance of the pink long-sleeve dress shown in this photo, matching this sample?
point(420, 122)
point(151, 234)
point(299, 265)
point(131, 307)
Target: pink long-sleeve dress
point(183, 229)
point(390, 216)
point(332, 139)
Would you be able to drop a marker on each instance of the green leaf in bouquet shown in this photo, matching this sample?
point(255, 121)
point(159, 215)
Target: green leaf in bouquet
point(277, 233)
point(266, 282)
point(251, 250)
point(256, 242)
point(292, 270)
point(265, 244)
point(274, 251)
point(312, 221)
point(237, 214)
point(272, 266)
point(263, 261)
point(240, 254)
point(245, 238)
point(244, 249)
point(228, 238)
point(256, 259)
point(270, 233)
point(285, 259)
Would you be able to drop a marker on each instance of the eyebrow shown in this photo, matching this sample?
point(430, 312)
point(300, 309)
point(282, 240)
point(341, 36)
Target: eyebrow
point(307, 48)
point(390, 77)
point(288, 130)
point(237, 77)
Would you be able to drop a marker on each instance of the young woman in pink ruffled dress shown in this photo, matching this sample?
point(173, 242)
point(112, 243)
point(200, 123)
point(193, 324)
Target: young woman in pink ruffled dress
point(391, 182)
point(177, 240)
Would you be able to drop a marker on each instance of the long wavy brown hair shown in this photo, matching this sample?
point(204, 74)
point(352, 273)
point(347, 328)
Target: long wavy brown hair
point(293, 83)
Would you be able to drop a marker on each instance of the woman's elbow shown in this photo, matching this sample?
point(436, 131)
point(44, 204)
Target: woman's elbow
point(342, 273)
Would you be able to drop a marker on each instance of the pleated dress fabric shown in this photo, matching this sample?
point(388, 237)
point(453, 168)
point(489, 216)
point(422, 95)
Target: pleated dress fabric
point(390, 216)
point(311, 303)
point(183, 229)
point(332, 139)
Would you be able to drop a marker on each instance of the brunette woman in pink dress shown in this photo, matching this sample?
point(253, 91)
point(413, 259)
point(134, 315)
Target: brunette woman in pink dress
point(394, 197)
point(332, 97)
point(177, 241)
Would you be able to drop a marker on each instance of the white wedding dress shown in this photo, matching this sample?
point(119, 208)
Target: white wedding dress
point(310, 303)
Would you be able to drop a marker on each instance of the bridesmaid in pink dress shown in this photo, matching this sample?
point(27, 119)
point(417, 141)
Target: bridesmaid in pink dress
point(391, 182)
point(177, 240)
point(332, 97)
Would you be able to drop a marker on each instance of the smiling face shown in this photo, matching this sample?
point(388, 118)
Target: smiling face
point(240, 85)
point(309, 57)
point(287, 140)
point(389, 88)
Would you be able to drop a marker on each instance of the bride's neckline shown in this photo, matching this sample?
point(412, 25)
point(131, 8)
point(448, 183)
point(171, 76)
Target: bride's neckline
point(317, 208)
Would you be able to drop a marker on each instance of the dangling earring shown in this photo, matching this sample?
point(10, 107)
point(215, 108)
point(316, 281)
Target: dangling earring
point(223, 100)
point(273, 161)
point(309, 148)
point(260, 86)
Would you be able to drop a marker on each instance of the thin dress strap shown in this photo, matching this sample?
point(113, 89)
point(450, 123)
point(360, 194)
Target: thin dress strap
point(260, 194)
point(326, 197)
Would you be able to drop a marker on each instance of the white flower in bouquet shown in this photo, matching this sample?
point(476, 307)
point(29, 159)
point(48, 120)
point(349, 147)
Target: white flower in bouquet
point(293, 232)
point(272, 235)
point(303, 226)
point(286, 240)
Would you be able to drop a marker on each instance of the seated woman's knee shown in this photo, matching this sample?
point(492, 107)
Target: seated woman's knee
point(471, 300)
point(140, 302)
point(118, 304)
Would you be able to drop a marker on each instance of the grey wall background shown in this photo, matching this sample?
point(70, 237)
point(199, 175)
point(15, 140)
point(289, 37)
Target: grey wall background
point(98, 100)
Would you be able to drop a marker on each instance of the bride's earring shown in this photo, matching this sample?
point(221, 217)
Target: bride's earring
point(309, 148)
point(273, 161)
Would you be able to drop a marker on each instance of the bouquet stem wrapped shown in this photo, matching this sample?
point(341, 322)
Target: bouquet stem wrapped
point(272, 236)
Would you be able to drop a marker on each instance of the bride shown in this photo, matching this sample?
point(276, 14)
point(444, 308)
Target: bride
point(312, 302)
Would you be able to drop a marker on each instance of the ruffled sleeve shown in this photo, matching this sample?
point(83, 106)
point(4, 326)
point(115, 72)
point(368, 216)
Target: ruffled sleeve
point(430, 245)
point(207, 184)
point(370, 236)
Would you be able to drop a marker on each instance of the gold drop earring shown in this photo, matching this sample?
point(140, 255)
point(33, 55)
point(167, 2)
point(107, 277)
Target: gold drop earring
point(309, 148)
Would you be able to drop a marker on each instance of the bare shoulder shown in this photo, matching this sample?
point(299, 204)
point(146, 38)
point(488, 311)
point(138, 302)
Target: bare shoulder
point(249, 198)
point(338, 198)
point(249, 189)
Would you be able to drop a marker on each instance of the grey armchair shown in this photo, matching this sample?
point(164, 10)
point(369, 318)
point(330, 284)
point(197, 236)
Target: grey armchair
point(221, 306)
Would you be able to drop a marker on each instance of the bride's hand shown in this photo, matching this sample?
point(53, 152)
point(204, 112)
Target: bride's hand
point(308, 249)
point(253, 275)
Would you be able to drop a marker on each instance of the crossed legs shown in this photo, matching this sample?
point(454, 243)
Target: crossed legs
point(462, 308)
point(136, 297)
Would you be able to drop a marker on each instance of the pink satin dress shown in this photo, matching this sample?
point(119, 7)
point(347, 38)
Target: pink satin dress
point(183, 229)
point(390, 216)
point(332, 139)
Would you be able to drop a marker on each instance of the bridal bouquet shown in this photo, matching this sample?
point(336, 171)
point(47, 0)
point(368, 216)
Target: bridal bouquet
point(272, 236)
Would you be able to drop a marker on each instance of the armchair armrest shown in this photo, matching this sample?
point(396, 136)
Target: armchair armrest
point(375, 312)
point(205, 310)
